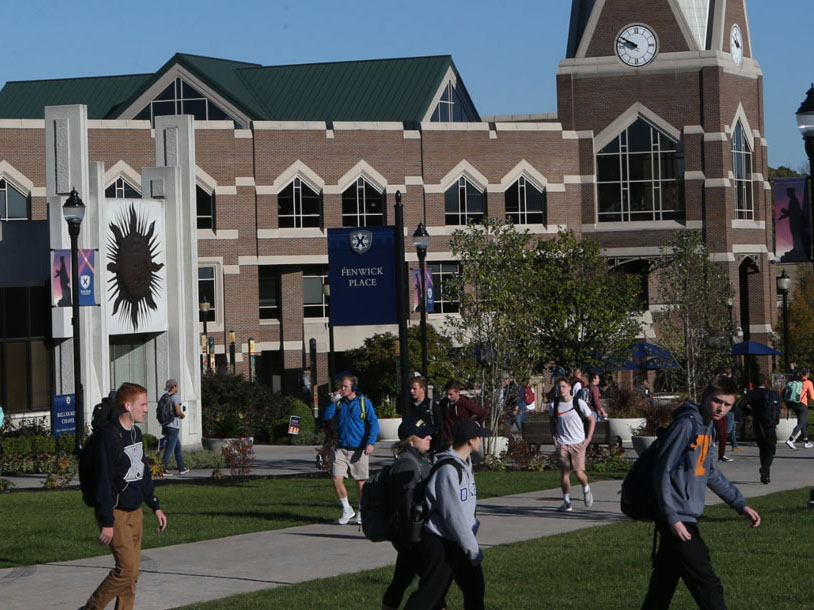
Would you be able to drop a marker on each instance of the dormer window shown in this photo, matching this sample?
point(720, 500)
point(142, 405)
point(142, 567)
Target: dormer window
point(121, 189)
point(181, 98)
point(13, 204)
point(453, 107)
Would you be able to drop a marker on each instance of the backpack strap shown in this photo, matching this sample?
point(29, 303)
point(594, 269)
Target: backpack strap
point(452, 462)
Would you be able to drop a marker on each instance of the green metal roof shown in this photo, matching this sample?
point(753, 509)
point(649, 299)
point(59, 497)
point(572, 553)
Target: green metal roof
point(370, 90)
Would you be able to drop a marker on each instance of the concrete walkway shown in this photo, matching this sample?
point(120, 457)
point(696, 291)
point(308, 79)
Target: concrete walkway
point(182, 574)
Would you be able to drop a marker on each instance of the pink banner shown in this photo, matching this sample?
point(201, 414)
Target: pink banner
point(792, 220)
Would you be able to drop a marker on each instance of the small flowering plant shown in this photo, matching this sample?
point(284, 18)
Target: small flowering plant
point(227, 424)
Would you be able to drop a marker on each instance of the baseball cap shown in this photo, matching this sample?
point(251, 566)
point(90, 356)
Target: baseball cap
point(171, 383)
point(413, 426)
point(464, 429)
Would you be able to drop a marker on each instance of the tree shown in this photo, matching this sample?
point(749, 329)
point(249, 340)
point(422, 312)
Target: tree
point(695, 324)
point(801, 320)
point(376, 366)
point(585, 315)
point(496, 322)
point(785, 172)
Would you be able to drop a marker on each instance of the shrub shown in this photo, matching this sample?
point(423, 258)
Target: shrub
point(200, 460)
point(626, 403)
point(279, 431)
point(150, 442)
point(65, 443)
point(239, 456)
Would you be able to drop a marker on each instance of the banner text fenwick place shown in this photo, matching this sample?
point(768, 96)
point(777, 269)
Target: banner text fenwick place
point(362, 275)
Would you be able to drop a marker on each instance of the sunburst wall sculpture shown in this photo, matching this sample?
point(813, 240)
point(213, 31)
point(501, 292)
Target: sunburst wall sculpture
point(136, 283)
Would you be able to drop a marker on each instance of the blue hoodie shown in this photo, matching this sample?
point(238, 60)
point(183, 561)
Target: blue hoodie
point(686, 466)
point(351, 430)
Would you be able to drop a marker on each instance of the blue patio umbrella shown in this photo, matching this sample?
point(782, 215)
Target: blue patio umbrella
point(754, 348)
point(648, 357)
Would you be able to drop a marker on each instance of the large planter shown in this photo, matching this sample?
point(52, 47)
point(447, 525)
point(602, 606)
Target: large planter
point(216, 444)
point(621, 429)
point(784, 428)
point(495, 445)
point(640, 443)
point(389, 429)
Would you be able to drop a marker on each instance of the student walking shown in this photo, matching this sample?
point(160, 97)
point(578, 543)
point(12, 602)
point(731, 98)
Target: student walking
point(764, 406)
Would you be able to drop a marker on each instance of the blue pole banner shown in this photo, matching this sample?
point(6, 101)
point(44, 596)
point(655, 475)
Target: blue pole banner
point(362, 275)
point(63, 414)
point(61, 277)
point(430, 292)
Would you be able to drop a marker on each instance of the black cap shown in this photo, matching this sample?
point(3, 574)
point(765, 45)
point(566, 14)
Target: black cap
point(417, 427)
point(464, 429)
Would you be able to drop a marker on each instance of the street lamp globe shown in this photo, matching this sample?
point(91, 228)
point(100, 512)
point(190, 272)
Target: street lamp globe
point(204, 306)
point(421, 239)
point(326, 289)
point(73, 209)
point(805, 114)
point(783, 283)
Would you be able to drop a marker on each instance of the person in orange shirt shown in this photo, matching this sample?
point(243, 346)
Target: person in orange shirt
point(806, 396)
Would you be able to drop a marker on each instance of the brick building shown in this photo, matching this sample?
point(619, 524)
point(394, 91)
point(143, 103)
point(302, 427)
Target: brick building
point(659, 127)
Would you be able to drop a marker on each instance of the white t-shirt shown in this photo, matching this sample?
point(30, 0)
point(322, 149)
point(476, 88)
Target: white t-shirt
point(570, 429)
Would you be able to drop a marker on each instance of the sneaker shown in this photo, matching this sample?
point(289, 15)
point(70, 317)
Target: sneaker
point(184, 471)
point(764, 478)
point(589, 499)
point(565, 507)
point(725, 458)
point(166, 471)
point(358, 520)
point(808, 445)
point(347, 515)
point(791, 444)
point(738, 448)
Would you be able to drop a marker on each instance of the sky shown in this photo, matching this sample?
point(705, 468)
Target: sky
point(507, 52)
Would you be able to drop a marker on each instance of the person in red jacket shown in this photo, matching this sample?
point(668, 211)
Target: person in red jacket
point(455, 407)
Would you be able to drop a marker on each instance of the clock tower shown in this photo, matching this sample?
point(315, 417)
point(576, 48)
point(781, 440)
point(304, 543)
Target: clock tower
point(670, 97)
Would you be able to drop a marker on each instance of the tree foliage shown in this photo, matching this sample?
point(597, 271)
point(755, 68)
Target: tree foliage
point(785, 172)
point(377, 368)
point(695, 324)
point(801, 320)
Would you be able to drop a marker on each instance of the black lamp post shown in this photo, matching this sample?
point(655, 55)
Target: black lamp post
point(805, 121)
point(326, 290)
point(421, 241)
point(204, 308)
point(401, 305)
point(74, 213)
point(232, 351)
point(783, 286)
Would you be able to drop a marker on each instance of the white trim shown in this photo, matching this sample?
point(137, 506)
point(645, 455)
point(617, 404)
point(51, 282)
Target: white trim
point(205, 180)
point(121, 169)
point(289, 125)
point(16, 178)
point(283, 259)
point(168, 77)
point(219, 124)
point(412, 134)
point(22, 123)
point(528, 126)
point(740, 115)
point(722, 257)
point(288, 233)
point(642, 225)
point(226, 190)
point(204, 234)
point(648, 251)
point(368, 126)
point(749, 224)
point(231, 270)
point(584, 134)
point(37, 191)
point(630, 116)
point(690, 130)
point(217, 263)
point(439, 126)
point(362, 170)
point(527, 170)
point(568, 179)
point(244, 181)
point(329, 134)
point(718, 26)
point(684, 26)
point(465, 169)
point(665, 63)
point(300, 170)
point(414, 180)
point(449, 77)
point(716, 136)
point(118, 124)
point(750, 249)
point(590, 29)
point(711, 183)
point(694, 175)
point(761, 328)
point(243, 134)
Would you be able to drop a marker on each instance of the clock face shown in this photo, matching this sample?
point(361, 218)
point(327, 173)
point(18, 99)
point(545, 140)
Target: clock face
point(736, 44)
point(636, 45)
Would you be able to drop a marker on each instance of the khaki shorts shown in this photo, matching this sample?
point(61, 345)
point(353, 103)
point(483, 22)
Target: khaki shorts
point(354, 461)
point(571, 457)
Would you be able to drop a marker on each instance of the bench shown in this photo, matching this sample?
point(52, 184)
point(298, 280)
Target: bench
point(538, 433)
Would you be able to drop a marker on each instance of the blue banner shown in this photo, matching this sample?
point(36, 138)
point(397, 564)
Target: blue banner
point(362, 275)
point(61, 277)
point(63, 415)
point(428, 288)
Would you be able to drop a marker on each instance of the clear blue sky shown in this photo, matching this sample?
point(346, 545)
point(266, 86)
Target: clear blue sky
point(507, 52)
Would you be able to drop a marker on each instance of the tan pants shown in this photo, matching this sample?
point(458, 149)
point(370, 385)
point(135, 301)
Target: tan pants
point(126, 546)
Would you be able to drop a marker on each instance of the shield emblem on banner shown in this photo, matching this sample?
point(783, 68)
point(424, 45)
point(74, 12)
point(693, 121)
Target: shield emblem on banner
point(360, 241)
point(84, 282)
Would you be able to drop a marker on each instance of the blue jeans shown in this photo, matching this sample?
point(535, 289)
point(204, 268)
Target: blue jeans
point(173, 445)
point(730, 428)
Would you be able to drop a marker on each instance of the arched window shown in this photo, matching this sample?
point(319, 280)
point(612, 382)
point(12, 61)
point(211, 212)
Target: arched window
point(464, 203)
point(205, 203)
point(362, 205)
point(742, 170)
point(640, 176)
point(13, 204)
point(525, 203)
point(181, 98)
point(121, 189)
point(298, 206)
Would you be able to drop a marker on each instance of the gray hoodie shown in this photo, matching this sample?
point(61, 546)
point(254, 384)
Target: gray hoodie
point(451, 506)
point(686, 466)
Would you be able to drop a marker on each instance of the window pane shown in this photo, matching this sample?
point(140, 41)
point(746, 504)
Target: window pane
point(110, 192)
point(163, 108)
point(17, 203)
point(168, 93)
point(40, 375)
point(17, 375)
point(16, 312)
point(607, 168)
point(312, 290)
point(196, 108)
point(534, 199)
point(144, 114)
point(612, 147)
point(130, 192)
point(40, 311)
point(640, 167)
point(512, 199)
point(638, 137)
point(206, 208)
point(216, 114)
point(474, 200)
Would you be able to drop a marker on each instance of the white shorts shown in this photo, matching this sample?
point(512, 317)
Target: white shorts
point(354, 461)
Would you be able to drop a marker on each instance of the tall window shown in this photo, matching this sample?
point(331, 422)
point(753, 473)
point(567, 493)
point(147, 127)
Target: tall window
point(742, 170)
point(269, 285)
point(464, 203)
point(205, 202)
point(362, 205)
point(525, 203)
point(441, 274)
point(206, 289)
point(121, 189)
point(298, 206)
point(314, 303)
point(181, 98)
point(13, 204)
point(640, 176)
point(25, 358)
point(453, 107)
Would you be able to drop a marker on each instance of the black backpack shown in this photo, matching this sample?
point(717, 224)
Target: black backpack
point(87, 462)
point(638, 489)
point(165, 412)
point(380, 514)
point(104, 413)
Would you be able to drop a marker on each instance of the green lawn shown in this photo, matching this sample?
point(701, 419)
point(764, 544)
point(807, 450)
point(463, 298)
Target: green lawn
point(63, 528)
point(604, 567)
